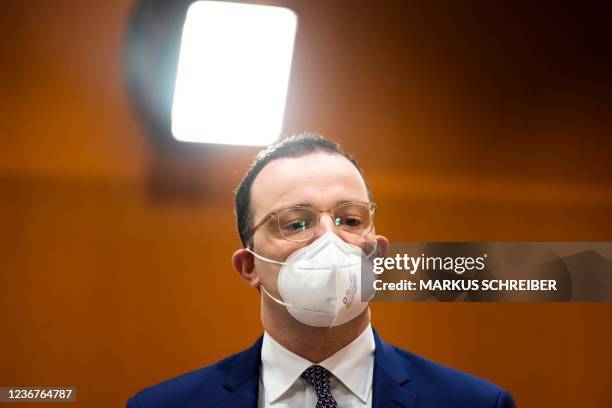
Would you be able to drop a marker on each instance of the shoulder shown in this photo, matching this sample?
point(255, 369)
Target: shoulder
point(184, 389)
point(445, 386)
point(202, 386)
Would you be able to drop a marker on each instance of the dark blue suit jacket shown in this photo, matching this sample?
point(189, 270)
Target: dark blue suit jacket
point(401, 379)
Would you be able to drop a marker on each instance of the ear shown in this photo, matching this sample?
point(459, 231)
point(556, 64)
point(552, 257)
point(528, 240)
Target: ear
point(382, 246)
point(244, 264)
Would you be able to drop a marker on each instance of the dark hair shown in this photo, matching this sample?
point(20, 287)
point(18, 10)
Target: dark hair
point(294, 146)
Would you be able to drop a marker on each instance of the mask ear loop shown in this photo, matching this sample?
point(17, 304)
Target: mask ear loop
point(368, 256)
point(373, 250)
point(263, 258)
point(280, 302)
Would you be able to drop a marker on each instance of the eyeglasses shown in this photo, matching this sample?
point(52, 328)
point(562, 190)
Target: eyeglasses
point(300, 223)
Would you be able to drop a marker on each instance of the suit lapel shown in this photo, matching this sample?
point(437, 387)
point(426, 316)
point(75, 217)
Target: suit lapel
point(390, 378)
point(241, 385)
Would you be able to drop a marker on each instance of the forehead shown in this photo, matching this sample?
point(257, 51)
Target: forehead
point(319, 179)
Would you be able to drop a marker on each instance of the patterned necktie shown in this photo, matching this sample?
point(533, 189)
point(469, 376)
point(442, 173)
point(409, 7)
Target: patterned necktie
point(318, 377)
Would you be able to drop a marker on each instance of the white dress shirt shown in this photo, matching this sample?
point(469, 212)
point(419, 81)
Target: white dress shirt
point(352, 368)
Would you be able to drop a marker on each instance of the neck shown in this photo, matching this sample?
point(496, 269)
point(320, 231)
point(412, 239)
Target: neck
point(314, 344)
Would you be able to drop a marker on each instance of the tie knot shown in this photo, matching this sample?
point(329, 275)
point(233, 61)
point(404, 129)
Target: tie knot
point(316, 376)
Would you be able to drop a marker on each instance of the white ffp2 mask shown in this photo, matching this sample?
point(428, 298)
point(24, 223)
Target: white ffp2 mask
point(321, 284)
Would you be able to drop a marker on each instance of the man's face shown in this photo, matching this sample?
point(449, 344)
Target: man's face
point(321, 180)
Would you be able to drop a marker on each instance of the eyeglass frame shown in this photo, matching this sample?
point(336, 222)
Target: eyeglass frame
point(264, 220)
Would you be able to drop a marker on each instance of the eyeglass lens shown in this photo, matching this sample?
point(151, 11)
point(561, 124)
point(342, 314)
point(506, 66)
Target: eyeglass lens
point(299, 224)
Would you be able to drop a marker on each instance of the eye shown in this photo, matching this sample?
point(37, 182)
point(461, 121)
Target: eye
point(349, 221)
point(296, 225)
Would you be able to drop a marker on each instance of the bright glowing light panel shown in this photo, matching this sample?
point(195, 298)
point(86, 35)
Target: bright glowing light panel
point(233, 73)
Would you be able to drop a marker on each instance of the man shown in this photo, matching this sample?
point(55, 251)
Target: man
point(303, 213)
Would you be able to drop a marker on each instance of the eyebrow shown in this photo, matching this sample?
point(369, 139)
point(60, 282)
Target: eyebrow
point(310, 205)
point(285, 207)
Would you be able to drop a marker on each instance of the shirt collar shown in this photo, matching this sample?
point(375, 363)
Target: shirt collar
point(280, 367)
point(352, 365)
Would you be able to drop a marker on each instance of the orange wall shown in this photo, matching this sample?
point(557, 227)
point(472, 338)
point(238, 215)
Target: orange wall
point(472, 123)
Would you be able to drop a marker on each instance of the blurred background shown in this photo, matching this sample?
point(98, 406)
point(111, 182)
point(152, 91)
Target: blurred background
point(473, 121)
